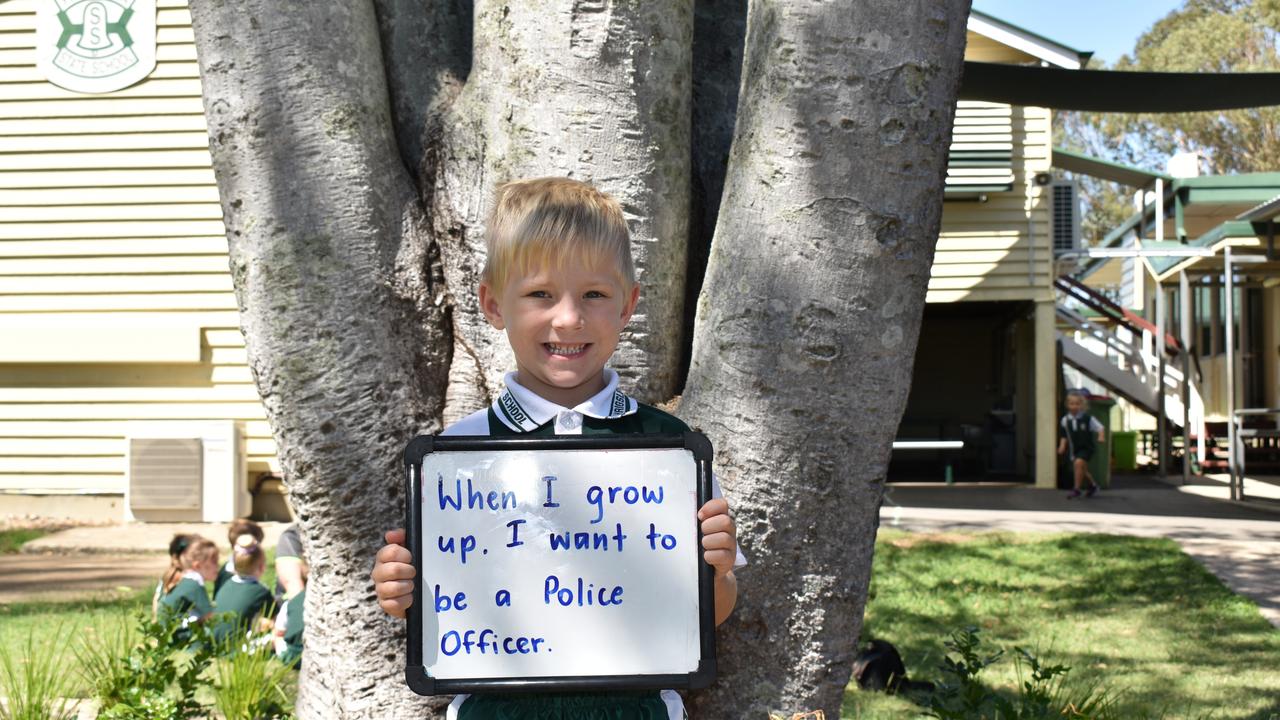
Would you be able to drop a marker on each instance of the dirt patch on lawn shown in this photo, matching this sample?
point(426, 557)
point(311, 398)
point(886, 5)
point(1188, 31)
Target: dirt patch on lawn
point(32, 578)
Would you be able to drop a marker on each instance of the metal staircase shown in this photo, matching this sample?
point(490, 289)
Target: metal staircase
point(1119, 349)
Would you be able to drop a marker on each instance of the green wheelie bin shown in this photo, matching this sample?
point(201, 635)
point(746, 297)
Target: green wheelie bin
point(1100, 466)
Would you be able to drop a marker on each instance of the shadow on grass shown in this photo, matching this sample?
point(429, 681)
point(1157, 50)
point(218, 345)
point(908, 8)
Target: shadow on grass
point(110, 600)
point(1135, 614)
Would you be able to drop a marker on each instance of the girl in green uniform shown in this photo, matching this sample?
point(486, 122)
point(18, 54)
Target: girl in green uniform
point(184, 593)
point(177, 546)
point(242, 600)
point(237, 529)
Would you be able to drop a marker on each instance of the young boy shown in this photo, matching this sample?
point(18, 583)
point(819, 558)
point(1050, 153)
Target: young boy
point(560, 282)
point(1076, 432)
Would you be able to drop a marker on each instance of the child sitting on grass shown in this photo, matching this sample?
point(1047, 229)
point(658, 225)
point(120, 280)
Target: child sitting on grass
point(243, 599)
point(184, 593)
point(289, 625)
point(177, 546)
point(560, 281)
point(1076, 432)
point(237, 529)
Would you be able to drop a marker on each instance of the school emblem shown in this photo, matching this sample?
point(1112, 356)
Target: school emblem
point(95, 46)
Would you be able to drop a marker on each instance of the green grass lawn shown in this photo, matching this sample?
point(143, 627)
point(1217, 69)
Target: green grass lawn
point(51, 621)
point(12, 540)
point(1135, 614)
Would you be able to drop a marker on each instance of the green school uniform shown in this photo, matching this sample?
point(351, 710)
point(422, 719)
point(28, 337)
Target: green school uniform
point(247, 599)
point(610, 412)
point(1081, 434)
point(187, 600)
point(293, 629)
point(225, 573)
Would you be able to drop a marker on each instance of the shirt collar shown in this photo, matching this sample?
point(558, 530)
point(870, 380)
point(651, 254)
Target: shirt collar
point(522, 410)
point(194, 575)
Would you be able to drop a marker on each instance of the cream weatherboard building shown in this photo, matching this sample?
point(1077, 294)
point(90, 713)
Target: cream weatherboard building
point(118, 326)
point(124, 389)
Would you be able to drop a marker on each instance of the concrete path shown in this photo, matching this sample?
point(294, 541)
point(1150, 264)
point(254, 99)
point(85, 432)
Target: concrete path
point(138, 537)
point(97, 561)
point(1238, 543)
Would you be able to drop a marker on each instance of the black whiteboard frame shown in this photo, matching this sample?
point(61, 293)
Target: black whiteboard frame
point(415, 673)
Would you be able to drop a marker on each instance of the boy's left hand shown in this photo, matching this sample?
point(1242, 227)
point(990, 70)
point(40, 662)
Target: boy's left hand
point(719, 536)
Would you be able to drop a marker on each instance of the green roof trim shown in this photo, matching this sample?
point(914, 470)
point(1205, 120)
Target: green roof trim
point(1225, 231)
point(1084, 55)
point(1243, 180)
point(1228, 195)
point(1261, 190)
point(1105, 169)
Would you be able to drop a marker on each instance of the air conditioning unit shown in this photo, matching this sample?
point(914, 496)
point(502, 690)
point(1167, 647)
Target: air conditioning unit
point(1065, 208)
point(186, 472)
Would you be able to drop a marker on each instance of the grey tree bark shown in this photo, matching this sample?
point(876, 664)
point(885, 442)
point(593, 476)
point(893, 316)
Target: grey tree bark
point(618, 81)
point(355, 146)
point(808, 319)
point(339, 306)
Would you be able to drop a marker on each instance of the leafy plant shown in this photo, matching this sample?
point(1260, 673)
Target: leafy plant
point(1043, 692)
point(249, 683)
point(105, 660)
point(164, 668)
point(37, 683)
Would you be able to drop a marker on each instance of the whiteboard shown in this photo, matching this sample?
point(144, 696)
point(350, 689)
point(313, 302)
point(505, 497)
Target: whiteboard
point(568, 561)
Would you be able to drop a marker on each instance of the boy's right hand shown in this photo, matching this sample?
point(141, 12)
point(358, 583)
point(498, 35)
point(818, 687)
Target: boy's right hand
point(393, 575)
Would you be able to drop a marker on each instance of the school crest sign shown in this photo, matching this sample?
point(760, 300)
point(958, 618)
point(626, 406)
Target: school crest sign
point(95, 46)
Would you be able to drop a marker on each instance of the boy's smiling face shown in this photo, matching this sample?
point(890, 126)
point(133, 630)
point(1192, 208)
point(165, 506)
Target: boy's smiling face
point(563, 325)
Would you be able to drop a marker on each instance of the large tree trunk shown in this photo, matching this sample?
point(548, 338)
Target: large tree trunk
point(330, 258)
point(355, 168)
point(594, 90)
point(808, 319)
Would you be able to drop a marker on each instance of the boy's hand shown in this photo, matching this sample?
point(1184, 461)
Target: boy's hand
point(719, 536)
point(393, 575)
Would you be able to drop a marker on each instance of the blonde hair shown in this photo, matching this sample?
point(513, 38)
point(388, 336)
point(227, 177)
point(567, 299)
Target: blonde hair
point(247, 554)
point(552, 221)
point(198, 550)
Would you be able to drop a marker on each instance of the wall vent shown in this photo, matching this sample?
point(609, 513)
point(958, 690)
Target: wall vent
point(166, 473)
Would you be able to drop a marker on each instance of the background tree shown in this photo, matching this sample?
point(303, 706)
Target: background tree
point(1201, 36)
point(355, 145)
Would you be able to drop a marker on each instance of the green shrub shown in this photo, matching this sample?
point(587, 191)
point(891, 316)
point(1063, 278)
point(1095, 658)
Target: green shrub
point(37, 683)
point(105, 660)
point(1043, 693)
point(249, 683)
point(162, 668)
